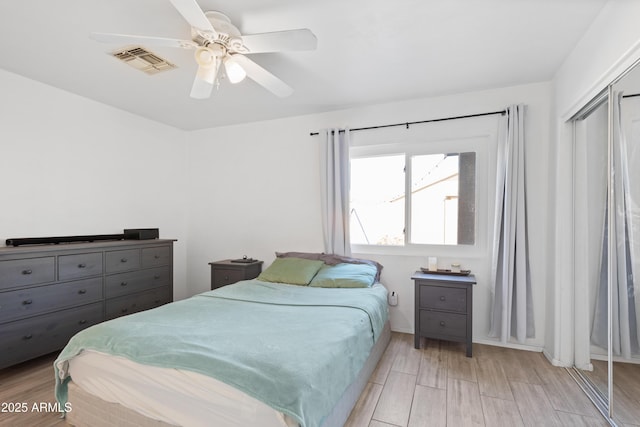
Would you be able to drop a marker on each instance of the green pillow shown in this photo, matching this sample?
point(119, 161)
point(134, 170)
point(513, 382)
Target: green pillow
point(345, 275)
point(296, 271)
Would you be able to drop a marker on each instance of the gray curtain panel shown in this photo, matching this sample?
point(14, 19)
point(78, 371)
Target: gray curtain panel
point(334, 191)
point(512, 309)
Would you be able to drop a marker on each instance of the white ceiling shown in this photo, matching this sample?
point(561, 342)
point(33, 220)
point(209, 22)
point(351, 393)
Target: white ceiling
point(369, 51)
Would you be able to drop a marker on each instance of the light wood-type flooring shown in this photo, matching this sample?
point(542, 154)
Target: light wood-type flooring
point(438, 386)
point(434, 386)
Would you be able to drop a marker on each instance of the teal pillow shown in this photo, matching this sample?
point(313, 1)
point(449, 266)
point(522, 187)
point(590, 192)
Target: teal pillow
point(296, 271)
point(345, 275)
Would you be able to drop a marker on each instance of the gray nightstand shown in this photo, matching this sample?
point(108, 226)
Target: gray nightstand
point(444, 307)
point(226, 272)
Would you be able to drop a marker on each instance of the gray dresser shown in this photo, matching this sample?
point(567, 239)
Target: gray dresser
point(444, 308)
point(50, 292)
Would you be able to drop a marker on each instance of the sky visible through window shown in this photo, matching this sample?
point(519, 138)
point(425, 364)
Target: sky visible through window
point(378, 199)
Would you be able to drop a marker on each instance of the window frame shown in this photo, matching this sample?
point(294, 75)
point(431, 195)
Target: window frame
point(480, 137)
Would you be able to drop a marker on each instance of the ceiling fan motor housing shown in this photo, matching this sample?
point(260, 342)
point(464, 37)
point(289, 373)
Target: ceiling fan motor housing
point(226, 35)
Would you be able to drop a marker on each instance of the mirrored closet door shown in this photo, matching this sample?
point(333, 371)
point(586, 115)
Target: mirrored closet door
point(607, 249)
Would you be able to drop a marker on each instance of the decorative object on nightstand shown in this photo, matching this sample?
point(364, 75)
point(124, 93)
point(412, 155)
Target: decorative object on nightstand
point(444, 307)
point(230, 271)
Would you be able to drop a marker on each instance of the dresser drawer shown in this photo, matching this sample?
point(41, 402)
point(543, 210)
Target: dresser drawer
point(442, 325)
point(222, 277)
point(443, 298)
point(128, 304)
point(159, 255)
point(80, 265)
point(136, 281)
point(29, 338)
point(122, 260)
point(26, 271)
point(23, 303)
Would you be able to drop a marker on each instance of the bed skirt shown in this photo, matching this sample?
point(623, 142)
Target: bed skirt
point(90, 411)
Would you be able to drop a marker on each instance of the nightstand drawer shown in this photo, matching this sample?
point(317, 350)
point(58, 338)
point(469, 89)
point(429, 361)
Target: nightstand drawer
point(443, 298)
point(27, 271)
point(223, 277)
point(80, 265)
point(437, 324)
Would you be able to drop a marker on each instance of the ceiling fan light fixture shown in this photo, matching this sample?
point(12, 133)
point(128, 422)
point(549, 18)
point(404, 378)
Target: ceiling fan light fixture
point(235, 72)
point(208, 63)
point(205, 57)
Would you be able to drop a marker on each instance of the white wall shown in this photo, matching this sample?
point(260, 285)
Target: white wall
point(254, 190)
point(609, 47)
point(71, 166)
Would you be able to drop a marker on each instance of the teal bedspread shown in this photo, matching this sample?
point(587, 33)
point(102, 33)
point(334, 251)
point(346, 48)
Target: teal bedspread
point(294, 348)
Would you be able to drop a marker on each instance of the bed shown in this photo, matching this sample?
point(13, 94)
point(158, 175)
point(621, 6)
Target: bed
point(294, 347)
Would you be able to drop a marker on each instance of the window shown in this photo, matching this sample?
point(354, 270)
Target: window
point(402, 198)
point(424, 190)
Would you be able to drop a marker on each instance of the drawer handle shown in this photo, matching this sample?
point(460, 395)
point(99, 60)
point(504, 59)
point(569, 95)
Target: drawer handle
point(82, 265)
point(442, 323)
point(442, 298)
point(156, 256)
point(226, 277)
point(123, 260)
point(27, 337)
point(156, 277)
point(123, 284)
point(82, 291)
point(82, 322)
point(124, 310)
point(25, 272)
point(27, 302)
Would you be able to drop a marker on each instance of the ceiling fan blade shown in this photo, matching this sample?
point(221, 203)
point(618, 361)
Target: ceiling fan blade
point(191, 12)
point(144, 40)
point(278, 41)
point(205, 79)
point(202, 87)
point(264, 78)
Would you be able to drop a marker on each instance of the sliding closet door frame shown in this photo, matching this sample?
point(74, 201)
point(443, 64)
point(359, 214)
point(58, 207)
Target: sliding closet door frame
point(582, 320)
point(611, 248)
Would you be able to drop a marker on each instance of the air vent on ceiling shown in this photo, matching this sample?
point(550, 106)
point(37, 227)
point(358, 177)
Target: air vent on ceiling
point(140, 58)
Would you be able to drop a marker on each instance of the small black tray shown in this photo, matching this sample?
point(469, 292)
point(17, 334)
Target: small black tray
point(446, 272)
point(244, 260)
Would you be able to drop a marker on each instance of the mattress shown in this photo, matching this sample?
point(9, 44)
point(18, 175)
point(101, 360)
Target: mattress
point(183, 395)
point(174, 396)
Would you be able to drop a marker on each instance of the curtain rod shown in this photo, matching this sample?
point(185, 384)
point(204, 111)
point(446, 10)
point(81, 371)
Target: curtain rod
point(503, 112)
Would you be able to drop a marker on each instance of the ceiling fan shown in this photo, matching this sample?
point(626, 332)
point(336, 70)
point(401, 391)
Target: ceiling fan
point(217, 42)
